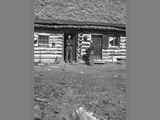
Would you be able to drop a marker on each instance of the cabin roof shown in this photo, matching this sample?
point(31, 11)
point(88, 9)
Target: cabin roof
point(106, 13)
point(58, 23)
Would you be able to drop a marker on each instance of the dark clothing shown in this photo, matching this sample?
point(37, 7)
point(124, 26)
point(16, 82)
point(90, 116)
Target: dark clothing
point(69, 51)
point(88, 57)
point(69, 43)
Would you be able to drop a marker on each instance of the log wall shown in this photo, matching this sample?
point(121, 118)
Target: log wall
point(111, 54)
point(54, 50)
point(51, 53)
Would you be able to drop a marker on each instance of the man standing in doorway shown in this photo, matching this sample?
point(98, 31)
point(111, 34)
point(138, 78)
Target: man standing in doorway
point(69, 49)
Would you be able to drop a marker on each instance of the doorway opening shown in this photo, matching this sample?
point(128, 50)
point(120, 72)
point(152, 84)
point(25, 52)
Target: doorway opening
point(74, 46)
point(97, 46)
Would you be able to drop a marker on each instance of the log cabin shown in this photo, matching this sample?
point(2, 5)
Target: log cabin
point(109, 40)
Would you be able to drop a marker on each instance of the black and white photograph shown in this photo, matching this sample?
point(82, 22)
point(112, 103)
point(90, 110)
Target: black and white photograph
point(80, 60)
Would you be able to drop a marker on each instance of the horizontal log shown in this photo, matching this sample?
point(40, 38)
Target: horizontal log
point(45, 60)
point(43, 51)
point(107, 60)
point(47, 48)
point(80, 26)
point(47, 56)
point(123, 44)
point(110, 50)
point(57, 36)
point(58, 45)
point(48, 34)
point(51, 59)
point(83, 42)
point(123, 47)
point(124, 57)
point(35, 45)
point(115, 55)
point(122, 51)
point(119, 54)
point(58, 41)
point(83, 50)
point(114, 52)
point(84, 47)
point(49, 53)
point(106, 57)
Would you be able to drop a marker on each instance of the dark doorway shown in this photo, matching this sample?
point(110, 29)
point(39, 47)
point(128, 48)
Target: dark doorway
point(74, 43)
point(97, 46)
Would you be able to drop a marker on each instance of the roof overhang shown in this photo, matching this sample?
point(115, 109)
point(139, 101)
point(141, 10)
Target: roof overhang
point(80, 27)
point(56, 23)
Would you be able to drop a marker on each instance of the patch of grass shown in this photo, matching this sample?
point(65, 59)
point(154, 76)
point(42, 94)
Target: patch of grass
point(79, 85)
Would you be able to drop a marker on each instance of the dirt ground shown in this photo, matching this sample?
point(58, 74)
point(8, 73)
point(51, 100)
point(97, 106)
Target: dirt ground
point(101, 89)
